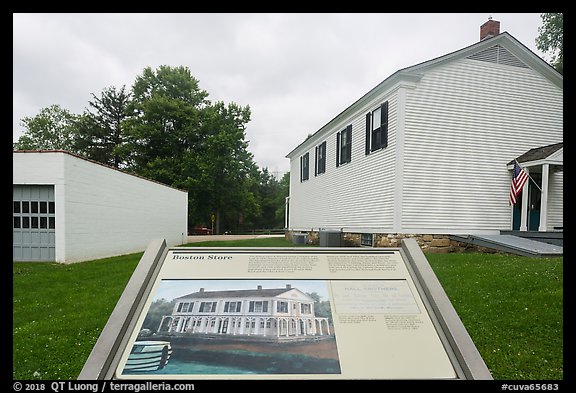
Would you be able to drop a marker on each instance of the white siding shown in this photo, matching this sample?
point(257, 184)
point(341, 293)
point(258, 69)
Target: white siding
point(109, 212)
point(360, 191)
point(464, 122)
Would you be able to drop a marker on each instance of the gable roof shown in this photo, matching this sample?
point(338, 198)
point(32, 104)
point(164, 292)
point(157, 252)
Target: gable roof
point(238, 293)
point(502, 48)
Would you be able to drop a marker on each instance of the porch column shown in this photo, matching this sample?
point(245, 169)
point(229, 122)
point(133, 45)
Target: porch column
point(162, 321)
point(524, 212)
point(544, 198)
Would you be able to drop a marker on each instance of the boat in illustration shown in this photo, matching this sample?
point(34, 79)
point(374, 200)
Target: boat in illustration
point(148, 356)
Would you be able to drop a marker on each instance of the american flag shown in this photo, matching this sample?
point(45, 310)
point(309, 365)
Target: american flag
point(519, 177)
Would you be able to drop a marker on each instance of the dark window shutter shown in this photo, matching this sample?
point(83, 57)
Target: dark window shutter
point(384, 124)
point(321, 160)
point(337, 150)
point(368, 117)
point(316, 162)
point(301, 168)
point(349, 146)
point(324, 157)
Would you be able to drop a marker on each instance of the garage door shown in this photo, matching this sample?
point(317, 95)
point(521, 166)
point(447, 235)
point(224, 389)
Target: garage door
point(34, 223)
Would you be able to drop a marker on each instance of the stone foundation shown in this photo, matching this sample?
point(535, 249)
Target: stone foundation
point(428, 243)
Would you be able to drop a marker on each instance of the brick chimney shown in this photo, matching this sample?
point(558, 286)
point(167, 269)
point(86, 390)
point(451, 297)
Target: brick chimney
point(489, 29)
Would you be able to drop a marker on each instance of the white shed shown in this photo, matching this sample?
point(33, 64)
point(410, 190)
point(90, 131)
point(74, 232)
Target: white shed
point(427, 150)
point(68, 209)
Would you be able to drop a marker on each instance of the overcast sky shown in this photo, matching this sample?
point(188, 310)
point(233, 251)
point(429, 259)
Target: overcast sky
point(295, 71)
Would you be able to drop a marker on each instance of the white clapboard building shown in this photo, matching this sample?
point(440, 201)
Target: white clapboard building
point(69, 209)
point(430, 149)
point(271, 312)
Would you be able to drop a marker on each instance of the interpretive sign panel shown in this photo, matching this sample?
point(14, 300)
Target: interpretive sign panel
point(297, 313)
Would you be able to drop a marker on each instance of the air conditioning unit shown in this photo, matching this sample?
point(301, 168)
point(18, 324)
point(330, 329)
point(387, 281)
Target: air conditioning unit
point(330, 238)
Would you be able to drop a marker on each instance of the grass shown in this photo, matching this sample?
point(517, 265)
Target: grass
point(59, 311)
point(261, 242)
point(511, 307)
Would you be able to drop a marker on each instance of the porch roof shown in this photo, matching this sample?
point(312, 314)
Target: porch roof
point(550, 154)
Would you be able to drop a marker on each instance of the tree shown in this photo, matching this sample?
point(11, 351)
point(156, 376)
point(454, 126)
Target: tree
point(54, 128)
point(228, 169)
point(166, 123)
point(101, 132)
point(551, 38)
point(280, 199)
point(178, 137)
point(271, 196)
point(158, 308)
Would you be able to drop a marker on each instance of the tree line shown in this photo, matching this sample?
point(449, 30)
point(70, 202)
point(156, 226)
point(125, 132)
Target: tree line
point(164, 128)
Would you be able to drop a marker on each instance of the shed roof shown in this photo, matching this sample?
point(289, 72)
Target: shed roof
point(539, 153)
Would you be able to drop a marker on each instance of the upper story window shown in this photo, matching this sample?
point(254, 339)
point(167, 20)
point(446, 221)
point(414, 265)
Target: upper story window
point(344, 146)
point(185, 307)
point(258, 306)
point(232, 306)
point(377, 128)
point(320, 160)
point(208, 307)
point(304, 167)
point(282, 307)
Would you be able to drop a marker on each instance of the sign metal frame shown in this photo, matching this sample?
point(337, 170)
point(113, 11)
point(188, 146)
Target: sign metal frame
point(114, 338)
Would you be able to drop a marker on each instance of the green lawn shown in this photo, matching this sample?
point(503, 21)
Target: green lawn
point(511, 306)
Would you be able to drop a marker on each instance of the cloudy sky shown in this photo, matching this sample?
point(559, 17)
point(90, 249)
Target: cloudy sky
point(296, 71)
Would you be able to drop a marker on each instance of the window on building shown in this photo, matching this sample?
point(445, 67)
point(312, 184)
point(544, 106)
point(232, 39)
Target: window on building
point(282, 307)
point(257, 306)
point(232, 306)
point(208, 307)
point(366, 239)
point(304, 167)
point(320, 160)
point(377, 128)
point(344, 146)
point(305, 308)
point(185, 307)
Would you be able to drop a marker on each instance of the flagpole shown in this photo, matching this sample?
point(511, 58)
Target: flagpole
point(530, 177)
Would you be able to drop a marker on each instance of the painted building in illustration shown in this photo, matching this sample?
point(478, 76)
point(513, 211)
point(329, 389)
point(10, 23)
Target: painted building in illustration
point(279, 312)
